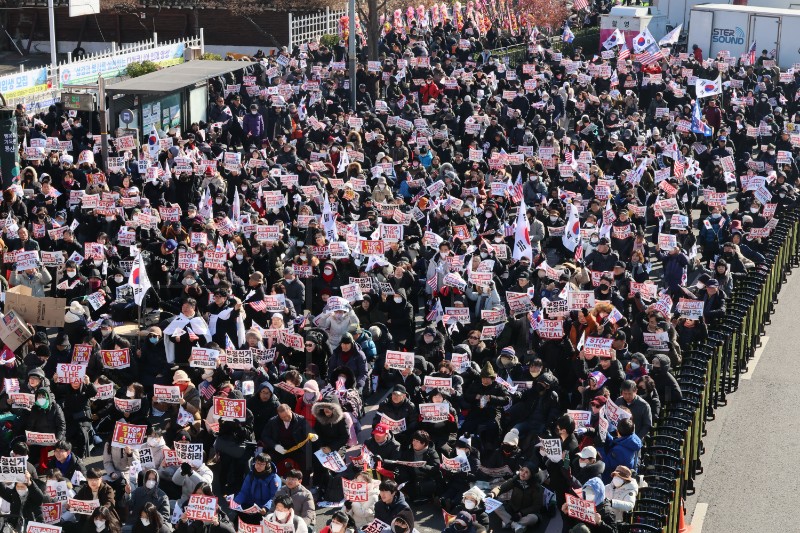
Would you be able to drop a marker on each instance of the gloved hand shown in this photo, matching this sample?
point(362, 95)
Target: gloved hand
point(186, 469)
point(280, 449)
point(348, 504)
point(313, 437)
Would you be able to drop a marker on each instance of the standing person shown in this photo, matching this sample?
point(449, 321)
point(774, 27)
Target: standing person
point(287, 435)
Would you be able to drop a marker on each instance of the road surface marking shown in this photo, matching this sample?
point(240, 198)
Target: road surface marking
point(751, 367)
point(699, 517)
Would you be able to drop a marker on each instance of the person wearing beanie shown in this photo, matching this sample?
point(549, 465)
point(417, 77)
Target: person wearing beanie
point(485, 399)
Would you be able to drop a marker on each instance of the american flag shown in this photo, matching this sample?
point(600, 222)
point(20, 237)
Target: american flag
point(207, 390)
point(193, 336)
point(228, 343)
point(568, 157)
point(436, 312)
point(579, 252)
point(433, 282)
point(258, 306)
point(516, 190)
point(230, 248)
point(580, 5)
point(624, 52)
point(680, 167)
point(651, 55)
point(510, 229)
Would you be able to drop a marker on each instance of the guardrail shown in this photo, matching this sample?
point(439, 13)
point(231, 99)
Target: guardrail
point(671, 458)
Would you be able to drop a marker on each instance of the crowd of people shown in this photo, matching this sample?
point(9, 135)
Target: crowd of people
point(509, 259)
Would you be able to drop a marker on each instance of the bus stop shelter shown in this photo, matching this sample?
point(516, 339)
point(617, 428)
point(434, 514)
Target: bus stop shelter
point(174, 97)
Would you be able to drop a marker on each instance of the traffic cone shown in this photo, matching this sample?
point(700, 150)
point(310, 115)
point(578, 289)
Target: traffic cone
point(682, 527)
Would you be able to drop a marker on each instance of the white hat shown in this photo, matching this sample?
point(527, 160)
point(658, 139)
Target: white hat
point(475, 493)
point(512, 437)
point(588, 453)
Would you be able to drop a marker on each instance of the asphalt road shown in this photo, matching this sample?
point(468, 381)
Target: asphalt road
point(751, 449)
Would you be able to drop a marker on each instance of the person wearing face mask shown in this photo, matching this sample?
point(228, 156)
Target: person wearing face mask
point(73, 285)
point(75, 399)
point(46, 416)
point(284, 514)
point(586, 464)
point(105, 521)
point(151, 359)
point(151, 521)
point(622, 492)
point(302, 499)
point(604, 519)
point(187, 477)
point(147, 492)
point(25, 499)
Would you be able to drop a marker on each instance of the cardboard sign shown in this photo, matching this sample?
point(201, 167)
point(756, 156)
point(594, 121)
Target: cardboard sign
point(116, 359)
point(166, 393)
point(39, 527)
point(399, 360)
point(46, 312)
point(332, 461)
point(201, 507)
point(552, 449)
point(581, 418)
point(392, 424)
point(230, 409)
point(189, 452)
point(204, 358)
point(579, 509)
point(128, 435)
point(51, 513)
point(598, 347)
point(13, 469)
point(355, 491)
point(69, 373)
point(82, 506)
point(692, 309)
point(40, 439)
point(434, 412)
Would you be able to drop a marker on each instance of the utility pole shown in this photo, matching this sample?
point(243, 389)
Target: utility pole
point(351, 53)
point(101, 108)
point(53, 43)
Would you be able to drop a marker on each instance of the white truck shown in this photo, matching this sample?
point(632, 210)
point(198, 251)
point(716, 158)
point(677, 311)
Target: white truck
point(718, 27)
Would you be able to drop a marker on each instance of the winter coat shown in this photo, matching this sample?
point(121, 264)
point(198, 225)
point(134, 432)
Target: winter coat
point(50, 420)
point(386, 512)
point(357, 363)
point(116, 460)
point(36, 284)
point(622, 498)
point(271, 436)
point(302, 503)
point(21, 513)
point(364, 512)
point(620, 451)
point(525, 497)
point(188, 483)
point(258, 489)
point(336, 327)
point(141, 495)
point(331, 430)
point(641, 414)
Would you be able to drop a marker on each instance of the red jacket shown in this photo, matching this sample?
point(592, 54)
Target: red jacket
point(429, 91)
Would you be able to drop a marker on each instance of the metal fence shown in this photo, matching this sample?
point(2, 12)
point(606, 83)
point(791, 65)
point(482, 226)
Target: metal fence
point(308, 27)
point(710, 370)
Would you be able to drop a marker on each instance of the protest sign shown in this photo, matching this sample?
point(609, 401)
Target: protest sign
point(399, 360)
point(39, 527)
point(69, 373)
point(166, 393)
point(332, 461)
point(690, 308)
point(116, 359)
point(230, 409)
point(128, 435)
point(580, 509)
point(581, 418)
point(46, 312)
point(51, 513)
point(189, 452)
point(355, 491)
point(392, 424)
point(434, 412)
point(85, 507)
point(552, 449)
point(201, 507)
point(13, 469)
point(40, 439)
point(204, 358)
